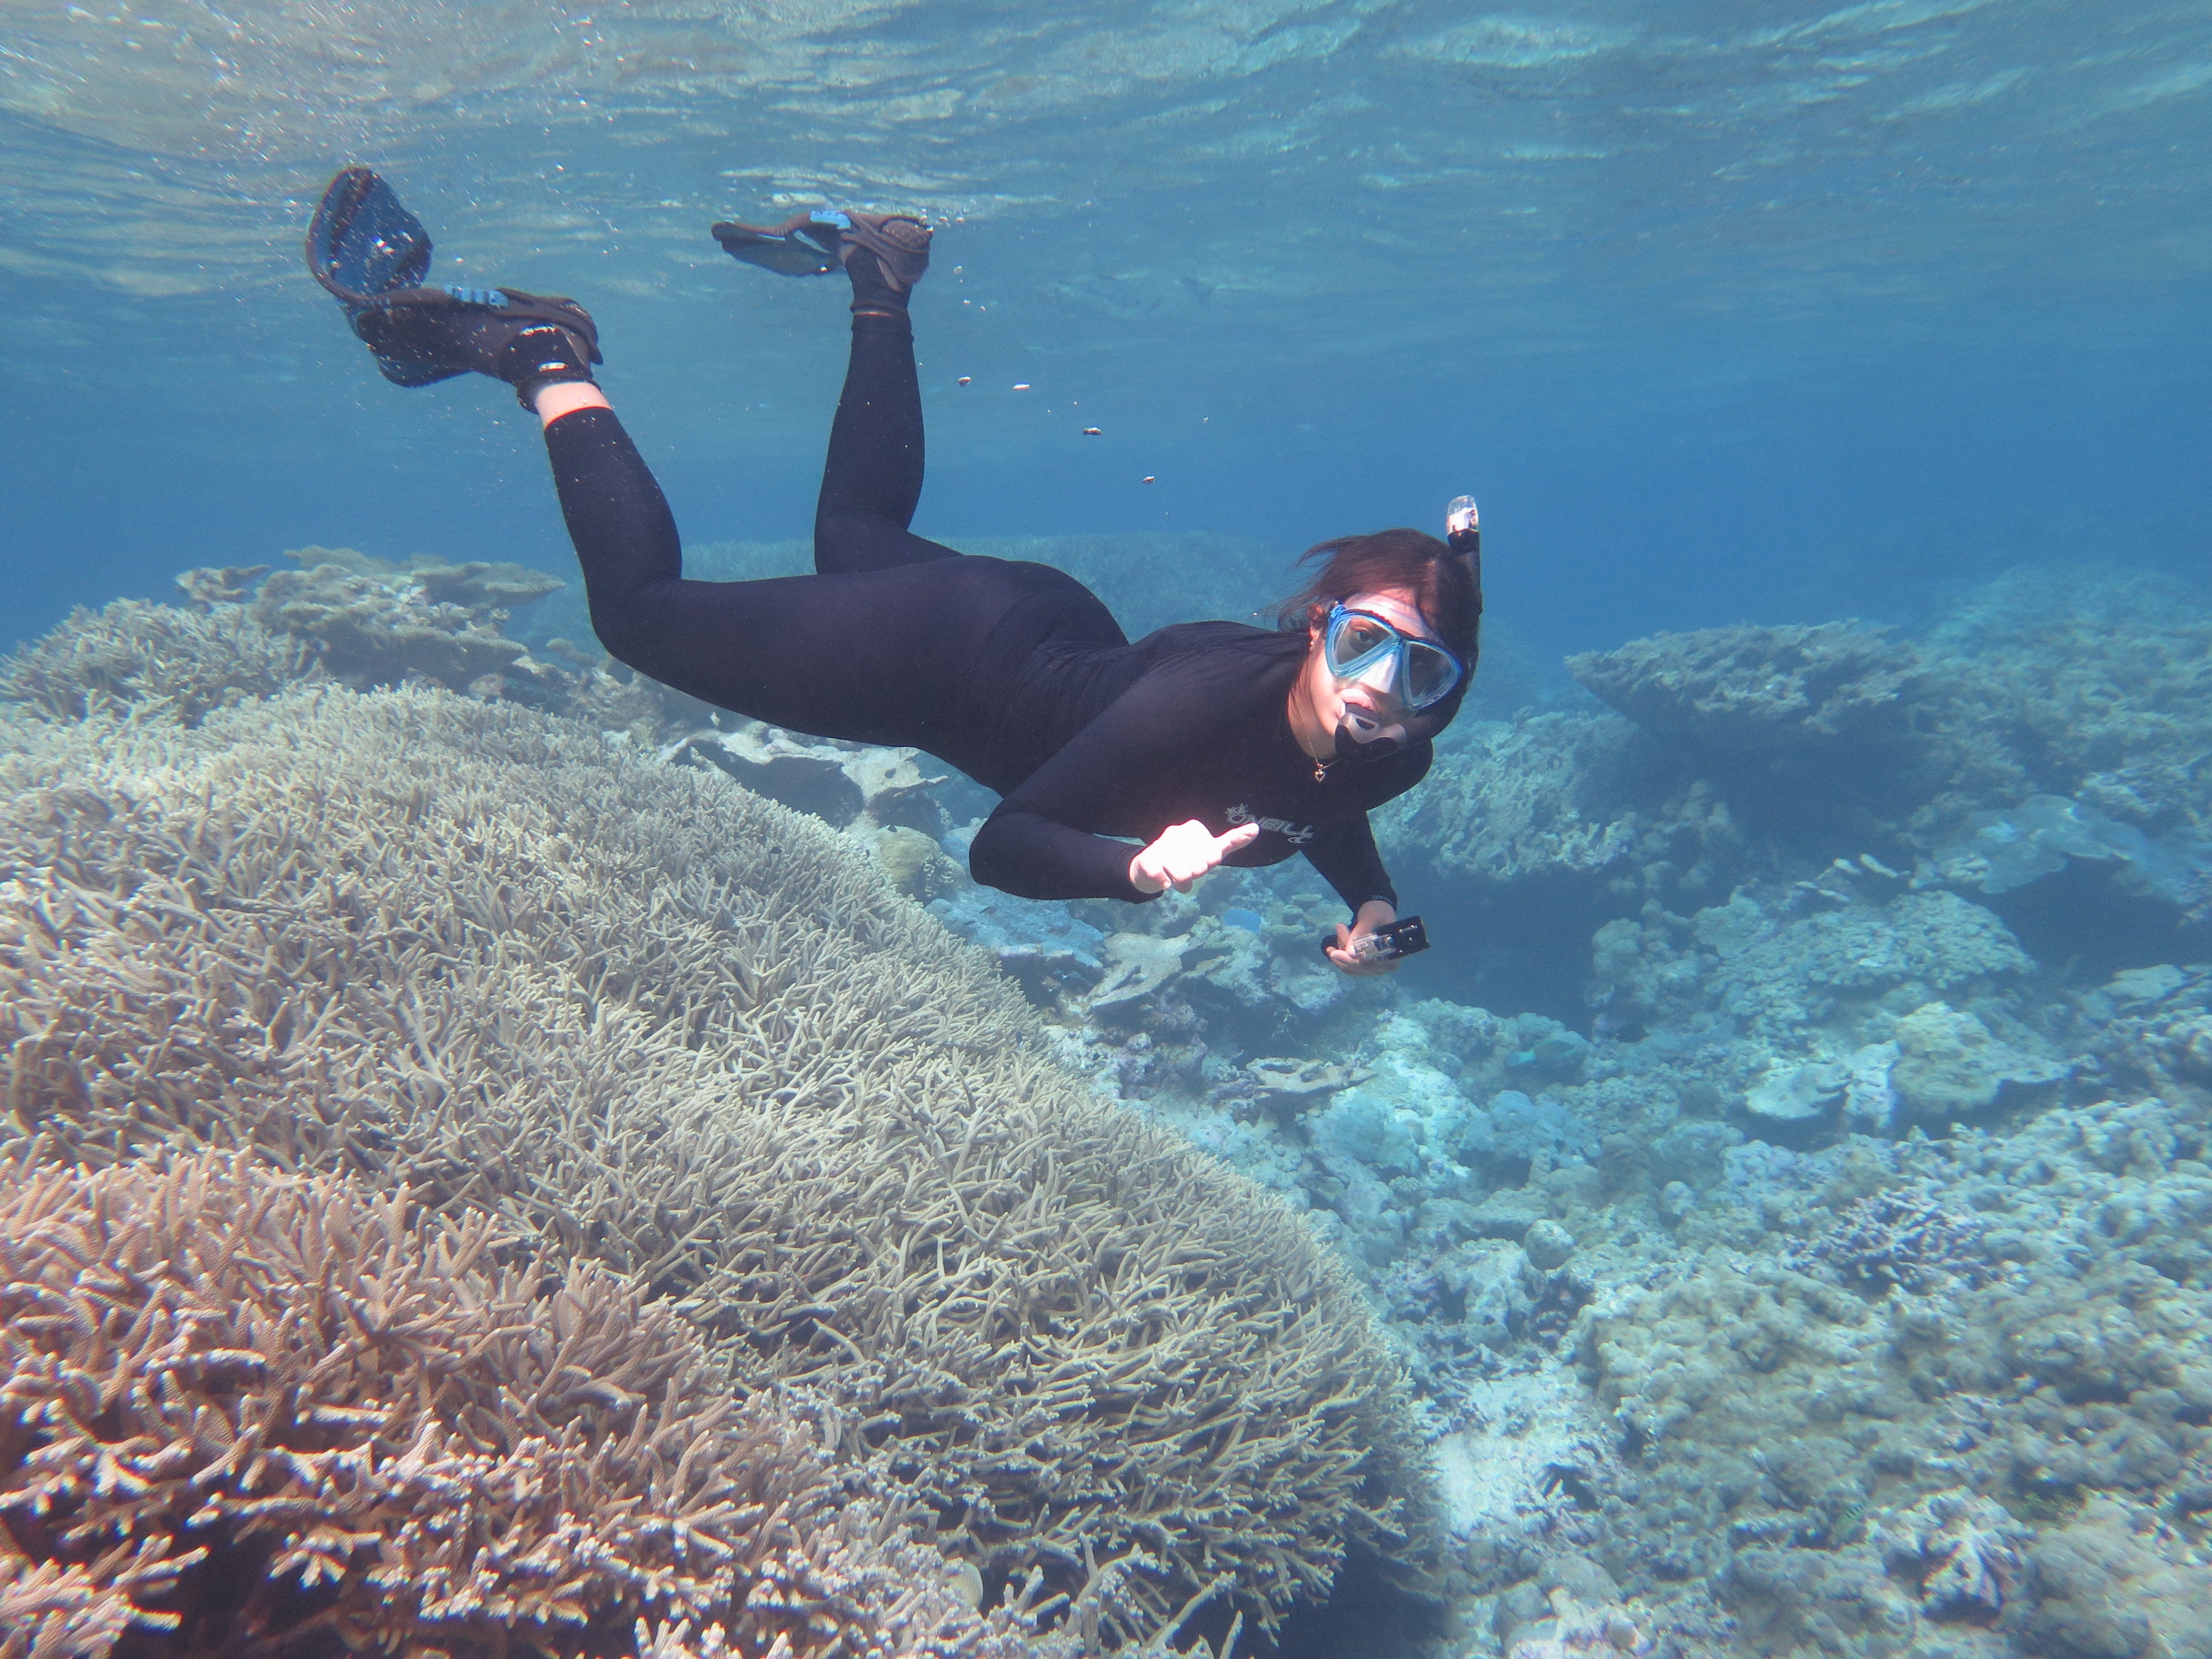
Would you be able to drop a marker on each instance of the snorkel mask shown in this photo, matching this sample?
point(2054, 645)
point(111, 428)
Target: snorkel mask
point(1426, 679)
point(1355, 643)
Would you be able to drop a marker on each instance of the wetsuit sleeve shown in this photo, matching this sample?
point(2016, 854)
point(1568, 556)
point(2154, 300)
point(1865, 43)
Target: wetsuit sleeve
point(1345, 855)
point(1033, 846)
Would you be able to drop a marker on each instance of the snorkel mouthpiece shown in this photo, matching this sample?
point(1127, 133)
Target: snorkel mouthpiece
point(1363, 729)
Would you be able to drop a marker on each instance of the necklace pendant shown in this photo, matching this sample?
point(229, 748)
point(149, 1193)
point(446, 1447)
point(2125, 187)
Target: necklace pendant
point(1321, 771)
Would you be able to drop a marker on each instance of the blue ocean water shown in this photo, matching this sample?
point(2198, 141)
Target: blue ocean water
point(1722, 310)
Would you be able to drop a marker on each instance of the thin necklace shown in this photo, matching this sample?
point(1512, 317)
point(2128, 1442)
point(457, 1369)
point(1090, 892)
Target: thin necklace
point(1320, 767)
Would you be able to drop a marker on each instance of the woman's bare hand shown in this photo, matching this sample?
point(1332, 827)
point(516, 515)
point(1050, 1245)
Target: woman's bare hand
point(1183, 853)
point(1372, 915)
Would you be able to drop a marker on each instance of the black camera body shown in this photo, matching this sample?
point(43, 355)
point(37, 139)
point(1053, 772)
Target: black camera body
point(1403, 938)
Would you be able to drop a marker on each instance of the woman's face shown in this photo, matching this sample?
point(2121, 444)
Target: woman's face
point(1373, 698)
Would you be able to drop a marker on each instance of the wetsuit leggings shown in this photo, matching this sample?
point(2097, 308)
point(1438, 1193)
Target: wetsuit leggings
point(883, 644)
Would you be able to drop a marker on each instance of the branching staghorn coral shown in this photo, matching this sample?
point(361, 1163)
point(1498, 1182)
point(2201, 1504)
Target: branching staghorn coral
point(270, 1414)
point(154, 656)
point(48, 1611)
point(668, 1025)
point(1905, 1237)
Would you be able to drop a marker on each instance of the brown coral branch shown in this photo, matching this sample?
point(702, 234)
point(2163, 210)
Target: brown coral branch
point(210, 1440)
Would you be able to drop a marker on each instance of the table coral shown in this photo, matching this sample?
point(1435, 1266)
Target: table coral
point(1950, 1067)
point(836, 781)
point(1761, 688)
point(380, 628)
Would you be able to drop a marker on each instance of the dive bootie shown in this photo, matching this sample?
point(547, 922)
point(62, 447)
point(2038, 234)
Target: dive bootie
point(421, 336)
point(371, 253)
point(815, 243)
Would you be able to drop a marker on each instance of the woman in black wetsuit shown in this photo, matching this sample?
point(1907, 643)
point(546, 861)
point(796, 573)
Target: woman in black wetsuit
point(1211, 742)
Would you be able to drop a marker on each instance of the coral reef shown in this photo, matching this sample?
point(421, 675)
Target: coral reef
point(1904, 1238)
point(1847, 1466)
point(1997, 851)
point(1836, 1394)
point(244, 634)
point(1962, 1552)
point(838, 782)
point(268, 1413)
point(2084, 682)
point(1520, 802)
point(130, 653)
point(1949, 1066)
point(1806, 1251)
point(371, 623)
point(658, 1021)
point(1836, 683)
point(2038, 753)
point(1606, 1631)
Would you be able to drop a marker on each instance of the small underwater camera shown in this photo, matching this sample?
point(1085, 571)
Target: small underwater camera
point(1404, 938)
point(1463, 527)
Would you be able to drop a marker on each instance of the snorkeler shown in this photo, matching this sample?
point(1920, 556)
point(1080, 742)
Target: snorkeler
point(1211, 742)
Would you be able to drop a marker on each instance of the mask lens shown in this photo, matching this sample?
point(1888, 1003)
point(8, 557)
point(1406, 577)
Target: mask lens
point(1354, 641)
point(1429, 673)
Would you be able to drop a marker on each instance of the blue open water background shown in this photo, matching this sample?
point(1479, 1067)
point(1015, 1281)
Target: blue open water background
point(1725, 311)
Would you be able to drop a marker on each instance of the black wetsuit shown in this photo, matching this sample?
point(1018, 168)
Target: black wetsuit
point(1014, 673)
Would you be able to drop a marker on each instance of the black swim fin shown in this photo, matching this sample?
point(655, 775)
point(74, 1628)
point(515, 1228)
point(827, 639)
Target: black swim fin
point(364, 243)
point(815, 243)
point(807, 246)
point(371, 255)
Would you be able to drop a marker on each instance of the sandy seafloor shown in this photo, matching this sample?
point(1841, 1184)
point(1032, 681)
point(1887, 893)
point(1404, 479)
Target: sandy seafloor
point(1788, 1179)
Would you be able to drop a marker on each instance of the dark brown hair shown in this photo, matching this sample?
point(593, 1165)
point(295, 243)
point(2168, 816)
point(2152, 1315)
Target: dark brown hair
point(1446, 588)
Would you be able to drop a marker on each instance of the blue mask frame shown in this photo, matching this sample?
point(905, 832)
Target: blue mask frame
point(1419, 660)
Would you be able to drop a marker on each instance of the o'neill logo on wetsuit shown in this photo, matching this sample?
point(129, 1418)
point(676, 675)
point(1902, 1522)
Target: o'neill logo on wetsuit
point(1297, 833)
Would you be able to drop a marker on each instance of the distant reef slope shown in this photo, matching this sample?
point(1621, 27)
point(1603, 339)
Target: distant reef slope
point(2043, 749)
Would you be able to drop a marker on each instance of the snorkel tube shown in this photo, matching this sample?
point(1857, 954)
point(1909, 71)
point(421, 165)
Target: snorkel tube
point(1463, 527)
